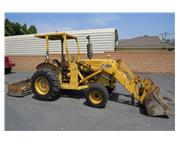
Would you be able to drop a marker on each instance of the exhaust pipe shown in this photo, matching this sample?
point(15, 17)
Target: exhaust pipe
point(89, 48)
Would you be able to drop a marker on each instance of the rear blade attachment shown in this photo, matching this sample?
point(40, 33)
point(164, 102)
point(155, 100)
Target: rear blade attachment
point(154, 103)
point(20, 89)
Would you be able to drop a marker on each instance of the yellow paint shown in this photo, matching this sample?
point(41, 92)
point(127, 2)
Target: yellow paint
point(115, 69)
point(67, 49)
point(70, 87)
point(80, 75)
point(91, 75)
point(95, 97)
point(122, 78)
point(73, 75)
point(47, 46)
point(55, 35)
point(78, 50)
point(148, 88)
point(42, 85)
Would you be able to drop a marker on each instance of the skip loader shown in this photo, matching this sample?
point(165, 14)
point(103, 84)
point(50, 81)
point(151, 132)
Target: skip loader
point(96, 77)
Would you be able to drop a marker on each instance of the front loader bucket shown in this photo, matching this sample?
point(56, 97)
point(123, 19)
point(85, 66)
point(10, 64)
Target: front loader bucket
point(154, 103)
point(20, 89)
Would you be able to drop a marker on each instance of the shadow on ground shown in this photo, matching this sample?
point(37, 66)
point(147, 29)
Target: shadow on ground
point(121, 98)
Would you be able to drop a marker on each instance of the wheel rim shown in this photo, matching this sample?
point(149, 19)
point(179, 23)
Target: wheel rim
point(95, 97)
point(42, 85)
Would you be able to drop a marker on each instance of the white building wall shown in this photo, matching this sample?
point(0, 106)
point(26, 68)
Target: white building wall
point(102, 40)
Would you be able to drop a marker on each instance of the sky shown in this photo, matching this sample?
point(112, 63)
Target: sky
point(129, 25)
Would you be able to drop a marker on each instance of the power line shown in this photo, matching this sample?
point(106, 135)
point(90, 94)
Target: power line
point(165, 35)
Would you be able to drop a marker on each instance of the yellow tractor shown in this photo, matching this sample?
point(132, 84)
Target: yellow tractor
point(97, 77)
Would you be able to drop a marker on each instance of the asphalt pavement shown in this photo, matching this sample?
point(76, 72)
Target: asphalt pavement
point(70, 112)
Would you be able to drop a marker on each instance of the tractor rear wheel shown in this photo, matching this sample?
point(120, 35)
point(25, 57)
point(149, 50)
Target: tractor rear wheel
point(45, 85)
point(97, 96)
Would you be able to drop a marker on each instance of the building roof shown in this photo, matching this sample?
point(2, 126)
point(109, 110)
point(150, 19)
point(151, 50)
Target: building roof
point(141, 42)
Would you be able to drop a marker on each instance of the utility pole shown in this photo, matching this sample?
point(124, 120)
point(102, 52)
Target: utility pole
point(163, 36)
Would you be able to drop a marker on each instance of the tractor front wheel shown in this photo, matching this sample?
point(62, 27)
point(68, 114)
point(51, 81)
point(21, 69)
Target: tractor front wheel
point(97, 96)
point(45, 85)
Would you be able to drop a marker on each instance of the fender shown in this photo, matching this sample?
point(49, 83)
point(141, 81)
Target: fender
point(52, 67)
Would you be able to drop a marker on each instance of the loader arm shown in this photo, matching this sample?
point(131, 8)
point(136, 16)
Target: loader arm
point(125, 77)
point(144, 91)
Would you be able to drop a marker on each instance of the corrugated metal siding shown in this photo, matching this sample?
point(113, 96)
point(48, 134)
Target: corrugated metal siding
point(102, 40)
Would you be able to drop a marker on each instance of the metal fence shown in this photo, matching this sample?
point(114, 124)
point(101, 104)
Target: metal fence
point(102, 40)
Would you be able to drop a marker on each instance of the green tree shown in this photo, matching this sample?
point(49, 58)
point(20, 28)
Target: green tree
point(12, 28)
point(24, 29)
point(8, 28)
point(32, 29)
point(17, 28)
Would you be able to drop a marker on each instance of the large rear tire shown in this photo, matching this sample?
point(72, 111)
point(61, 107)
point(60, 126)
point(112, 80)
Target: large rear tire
point(45, 85)
point(96, 96)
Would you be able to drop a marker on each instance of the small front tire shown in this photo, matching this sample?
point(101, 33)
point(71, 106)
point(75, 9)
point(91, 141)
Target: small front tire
point(96, 96)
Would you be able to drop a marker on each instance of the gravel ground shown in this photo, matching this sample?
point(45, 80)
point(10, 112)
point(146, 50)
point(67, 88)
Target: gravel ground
point(70, 112)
